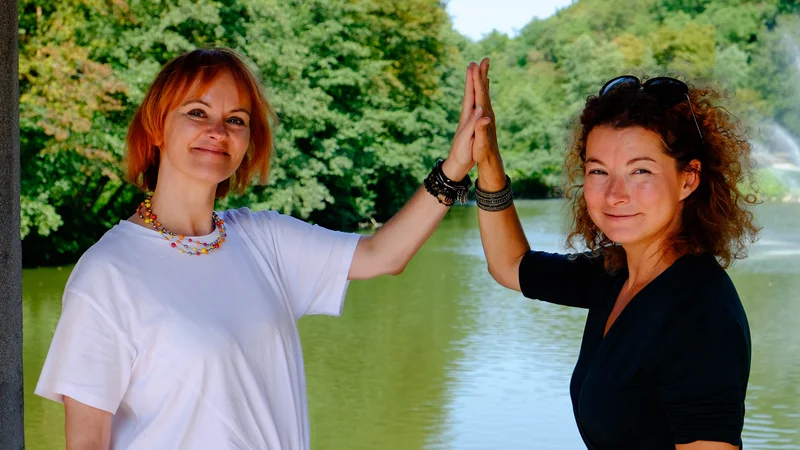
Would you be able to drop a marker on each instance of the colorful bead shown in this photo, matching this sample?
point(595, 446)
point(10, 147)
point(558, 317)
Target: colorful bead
point(146, 214)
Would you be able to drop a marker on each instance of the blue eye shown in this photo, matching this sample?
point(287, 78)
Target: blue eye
point(641, 171)
point(596, 172)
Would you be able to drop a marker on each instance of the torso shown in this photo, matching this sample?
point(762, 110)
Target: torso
point(628, 291)
point(615, 399)
point(203, 350)
point(213, 334)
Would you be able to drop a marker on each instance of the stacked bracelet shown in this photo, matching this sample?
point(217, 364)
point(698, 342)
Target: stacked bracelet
point(494, 201)
point(444, 189)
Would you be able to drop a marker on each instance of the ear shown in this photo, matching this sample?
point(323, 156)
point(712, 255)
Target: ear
point(157, 137)
point(691, 178)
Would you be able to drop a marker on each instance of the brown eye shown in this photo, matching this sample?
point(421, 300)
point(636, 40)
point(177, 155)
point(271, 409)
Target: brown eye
point(197, 113)
point(236, 121)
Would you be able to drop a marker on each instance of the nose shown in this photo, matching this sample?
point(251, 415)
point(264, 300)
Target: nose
point(617, 191)
point(216, 130)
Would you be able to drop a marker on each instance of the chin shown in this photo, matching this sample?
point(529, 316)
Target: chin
point(211, 175)
point(622, 235)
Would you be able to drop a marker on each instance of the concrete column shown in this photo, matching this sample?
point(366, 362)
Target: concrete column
point(11, 429)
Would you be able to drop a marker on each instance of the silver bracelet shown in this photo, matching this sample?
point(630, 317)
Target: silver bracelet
point(494, 201)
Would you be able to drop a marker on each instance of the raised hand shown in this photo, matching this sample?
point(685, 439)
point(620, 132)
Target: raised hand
point(460, 160)
point(485, 141)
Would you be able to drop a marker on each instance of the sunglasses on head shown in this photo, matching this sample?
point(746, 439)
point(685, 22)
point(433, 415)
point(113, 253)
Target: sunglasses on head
point(668, 91)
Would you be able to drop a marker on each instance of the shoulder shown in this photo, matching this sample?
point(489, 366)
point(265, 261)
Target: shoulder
point(708, 292)
point(102, 262)
point(260, 220)
point(707, 308)
point(245, 217)
point(106, 275)
point(275, 226)
point(536, 258)
point(566, 279)
point(566, 266)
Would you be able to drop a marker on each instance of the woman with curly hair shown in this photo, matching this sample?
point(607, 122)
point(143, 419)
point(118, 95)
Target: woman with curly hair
point(654, 175)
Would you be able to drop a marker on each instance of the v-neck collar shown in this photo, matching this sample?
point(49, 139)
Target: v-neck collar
point(620, 282)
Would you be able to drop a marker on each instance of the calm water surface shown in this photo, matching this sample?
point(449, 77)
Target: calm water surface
point(441, 357)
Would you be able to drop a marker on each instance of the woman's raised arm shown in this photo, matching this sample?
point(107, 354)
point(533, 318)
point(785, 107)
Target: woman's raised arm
point(503, 240)
point(390, 249)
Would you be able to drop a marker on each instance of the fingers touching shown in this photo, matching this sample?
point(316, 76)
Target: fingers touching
point(480, 80)
point(468, 130)
point(468, 104)
point(475, 130)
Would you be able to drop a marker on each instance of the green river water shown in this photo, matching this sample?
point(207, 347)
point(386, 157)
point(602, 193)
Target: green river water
point(441, 357)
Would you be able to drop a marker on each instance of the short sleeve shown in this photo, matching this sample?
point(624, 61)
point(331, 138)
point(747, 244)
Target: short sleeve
point(702, 374)
point(568, 280)
point(313, 263)
point(90, 357)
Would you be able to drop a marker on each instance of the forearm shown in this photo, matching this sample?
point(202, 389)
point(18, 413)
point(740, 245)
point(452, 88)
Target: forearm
point(503, 239)
point(706, 445)
point(391, 248)
point(72, 444)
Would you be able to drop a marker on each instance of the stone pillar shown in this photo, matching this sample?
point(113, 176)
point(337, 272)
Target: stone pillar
point(11, 429)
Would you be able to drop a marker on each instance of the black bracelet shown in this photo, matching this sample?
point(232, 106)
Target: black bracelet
point(444, 189)
point(494, 201)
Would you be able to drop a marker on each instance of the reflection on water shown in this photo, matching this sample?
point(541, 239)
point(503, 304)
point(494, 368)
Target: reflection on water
point(441, 357)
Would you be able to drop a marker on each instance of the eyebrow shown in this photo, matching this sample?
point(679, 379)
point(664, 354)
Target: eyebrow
point(197, 100)
point(634, 160)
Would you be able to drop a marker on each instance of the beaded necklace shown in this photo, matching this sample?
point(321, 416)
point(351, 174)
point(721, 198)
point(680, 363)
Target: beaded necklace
point(144, 210)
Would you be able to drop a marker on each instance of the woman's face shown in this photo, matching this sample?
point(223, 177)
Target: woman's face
point(633, 190)
point(206, 136)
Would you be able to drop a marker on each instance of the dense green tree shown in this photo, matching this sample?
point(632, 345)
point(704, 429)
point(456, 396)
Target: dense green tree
point(363, 90)
point(367, 92)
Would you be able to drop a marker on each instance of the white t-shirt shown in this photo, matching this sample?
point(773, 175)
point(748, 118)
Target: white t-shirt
point(198, 352)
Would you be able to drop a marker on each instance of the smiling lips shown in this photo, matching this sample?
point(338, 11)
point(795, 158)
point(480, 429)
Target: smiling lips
point(211, 150)
point(620, 217)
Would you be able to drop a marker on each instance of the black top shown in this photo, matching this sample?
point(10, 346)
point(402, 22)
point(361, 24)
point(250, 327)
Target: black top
point(674, 365)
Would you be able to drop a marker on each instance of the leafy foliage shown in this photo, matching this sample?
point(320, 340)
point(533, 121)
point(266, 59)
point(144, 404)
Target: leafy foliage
point(367, 92)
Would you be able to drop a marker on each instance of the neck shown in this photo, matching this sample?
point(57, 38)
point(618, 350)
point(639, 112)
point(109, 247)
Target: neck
point(646, 262)
point(184, 208)
point(647, 259)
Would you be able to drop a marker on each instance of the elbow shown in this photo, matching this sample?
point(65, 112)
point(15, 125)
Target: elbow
point(502, 276)
point(397, 269)
point(495, 272)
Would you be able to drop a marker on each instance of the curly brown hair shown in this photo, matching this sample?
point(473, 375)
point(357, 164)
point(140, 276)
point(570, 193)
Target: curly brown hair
point(715, 217)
